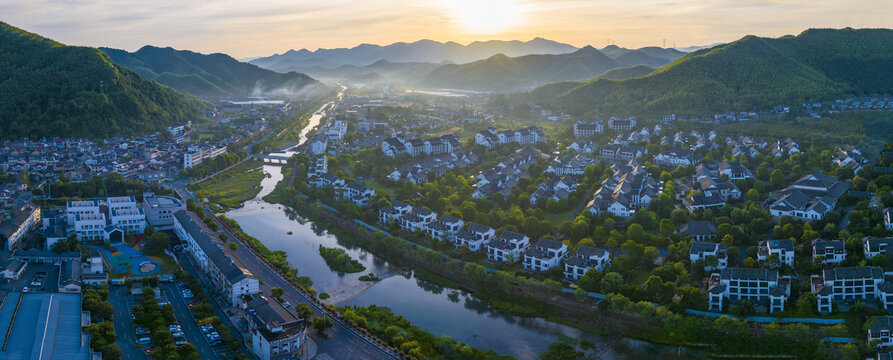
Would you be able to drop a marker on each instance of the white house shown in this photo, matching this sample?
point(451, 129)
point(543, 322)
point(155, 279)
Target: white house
point(507, 247)
point(762, 286)
point(834, 251)
point(881, 330)
point(850, 284)
point(705, 251)
point(544, 255)
point(585, 259)
point(276, 333)
point(782, 248)
point(475, 236)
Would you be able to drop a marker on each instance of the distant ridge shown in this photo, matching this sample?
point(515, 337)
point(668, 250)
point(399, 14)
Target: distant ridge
point(420, 51)
point(209, 75)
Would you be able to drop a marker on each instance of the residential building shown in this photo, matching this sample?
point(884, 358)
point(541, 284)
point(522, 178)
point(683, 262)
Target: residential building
point(618, 153)
point(833, 251)
point(544, 255)
point(759, 286)
point(276, 333)
point(809, 198)
point(699, 230)
point(211, 257)
point(507, 247)
point(475, 236)
point(22, 219)
point(708, 252)
point(357, 193)
point(683, 157)
point(583, 129)
point(782, 248)
point(850, 284)
point(619, 124)
point(734, 170)
point(873, 246)
point(586, 258)
point(880, 330)
point(631, 187)
point(526, 136)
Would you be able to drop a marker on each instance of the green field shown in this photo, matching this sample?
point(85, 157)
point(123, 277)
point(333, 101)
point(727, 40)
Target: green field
point(233, 187)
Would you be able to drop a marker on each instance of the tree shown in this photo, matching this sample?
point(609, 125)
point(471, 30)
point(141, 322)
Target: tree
point(742, 309)
point(321, 324)
point(753, 195)
point(232, 246)
point(636, 233)
point(561, 351)
point(611, 283)
point(807, 304)
point(303, 311)
point(155, 244)
point(590, 280)
point(277, 293)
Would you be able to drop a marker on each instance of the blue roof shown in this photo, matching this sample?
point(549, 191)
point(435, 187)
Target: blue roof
point(46, 326)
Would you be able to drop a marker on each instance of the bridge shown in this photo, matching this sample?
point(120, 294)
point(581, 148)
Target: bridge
point(272, 159)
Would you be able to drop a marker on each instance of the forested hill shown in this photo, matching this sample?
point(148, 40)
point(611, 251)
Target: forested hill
point(209, 75)
point(751, 73)
point(47, 88)
point(503, 73)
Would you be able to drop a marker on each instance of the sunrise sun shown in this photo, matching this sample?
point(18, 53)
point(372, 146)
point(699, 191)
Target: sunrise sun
point(481, 17)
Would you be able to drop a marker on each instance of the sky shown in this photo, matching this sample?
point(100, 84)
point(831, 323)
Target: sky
point(252, 28)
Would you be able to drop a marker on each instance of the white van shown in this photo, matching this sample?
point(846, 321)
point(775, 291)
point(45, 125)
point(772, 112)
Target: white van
point(144, 341)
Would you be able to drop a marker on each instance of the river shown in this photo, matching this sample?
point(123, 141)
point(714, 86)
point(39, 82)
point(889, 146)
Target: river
point(440, 310)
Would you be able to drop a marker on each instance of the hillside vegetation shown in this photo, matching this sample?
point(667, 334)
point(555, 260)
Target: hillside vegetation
point(49, 89)
point(209, 75)
point(751, 73)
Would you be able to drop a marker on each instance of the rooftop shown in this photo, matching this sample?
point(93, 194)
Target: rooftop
point(45, 326)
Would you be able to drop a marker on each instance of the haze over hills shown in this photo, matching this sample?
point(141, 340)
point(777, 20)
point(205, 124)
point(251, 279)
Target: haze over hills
point(420, 51)
point(211, 75)
point(49, 89)
point(501, 73)
point(750, 73)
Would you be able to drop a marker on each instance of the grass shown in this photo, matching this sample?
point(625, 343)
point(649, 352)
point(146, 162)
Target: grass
point(233, 187)
point(379, 187)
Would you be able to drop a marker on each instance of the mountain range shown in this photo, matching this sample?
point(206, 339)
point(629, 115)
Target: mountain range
point(751, 73)
point(402, 52)
point(500, 72)
point(50, 89)
point(211, 75)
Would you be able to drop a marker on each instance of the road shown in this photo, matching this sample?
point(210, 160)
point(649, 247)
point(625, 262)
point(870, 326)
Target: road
point(187, 322)
point(126, 338)
point(343, 342)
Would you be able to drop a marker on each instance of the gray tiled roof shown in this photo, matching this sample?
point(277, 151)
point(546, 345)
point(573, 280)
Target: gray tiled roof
point(862, 272)
point(211, 249)
point(749, 274)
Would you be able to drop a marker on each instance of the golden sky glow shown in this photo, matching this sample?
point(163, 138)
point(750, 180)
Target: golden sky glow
point(259, 28)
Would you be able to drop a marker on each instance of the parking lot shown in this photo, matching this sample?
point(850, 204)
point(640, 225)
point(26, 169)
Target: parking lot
point(193, 332)
point(48, 282)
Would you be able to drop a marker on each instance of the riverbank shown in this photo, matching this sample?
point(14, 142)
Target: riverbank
point(532, 298)
point(233, 187)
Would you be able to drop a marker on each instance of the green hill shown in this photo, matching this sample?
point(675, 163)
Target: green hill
point(626, 72)
point(751, 73)
point(52, 89)
point(503, 73)
point(208, 75)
